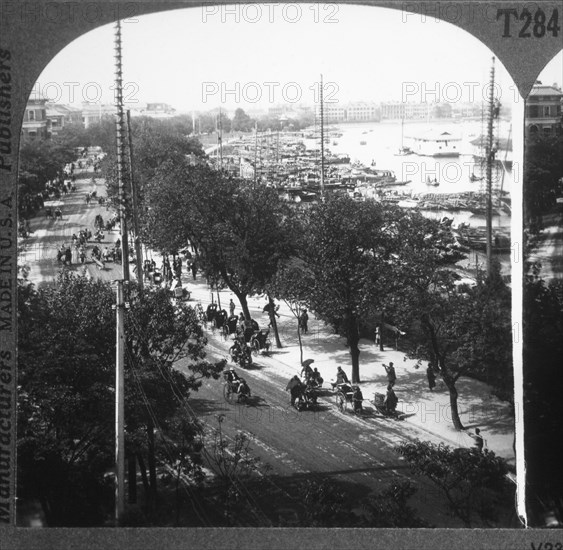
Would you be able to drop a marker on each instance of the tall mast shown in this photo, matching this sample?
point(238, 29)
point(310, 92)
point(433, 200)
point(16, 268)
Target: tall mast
point(255, 151)
point(322, 141)
point(120, 304)
point(220, 139)
point(490, 155)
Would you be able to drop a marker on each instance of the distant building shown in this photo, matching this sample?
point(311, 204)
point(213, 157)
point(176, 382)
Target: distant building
point(61, 115)
point(396, 110)
point(93, 113)
point(158, 110)
point(543, 111)
point(35, 121)
point(467, 109)
point(363, 112)
point(358, 111)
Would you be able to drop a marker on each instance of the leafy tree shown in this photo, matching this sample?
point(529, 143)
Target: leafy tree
point(324, 505)
point(39, 162)
point(390, 508)
point(242, 122)
point(361, 255)
point(461, 333)
point(65, 403)
point(234, 466)
point(154, 142)
point(473, 482)
point(292, 283)
point(159, 335)
point(240, 233)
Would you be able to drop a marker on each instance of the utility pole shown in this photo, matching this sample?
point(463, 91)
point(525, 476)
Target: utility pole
point(220, 139)
point(322, 142)
point(120, 303)
point(490, 155)
point(255, 151)
point(135, 199)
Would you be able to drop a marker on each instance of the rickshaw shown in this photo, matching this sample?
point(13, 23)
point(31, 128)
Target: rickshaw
point(239, 388)
point(308, 399)
point(260, 341)
point(230, 327)
point(384, 408)
point(210, 313)
point(220, 319)
point(240, 353)
point(346, 399)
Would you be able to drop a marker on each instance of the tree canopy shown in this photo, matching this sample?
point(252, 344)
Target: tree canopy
point(66, 400)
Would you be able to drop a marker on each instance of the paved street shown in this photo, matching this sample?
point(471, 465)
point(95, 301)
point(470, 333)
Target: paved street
point(39, 250)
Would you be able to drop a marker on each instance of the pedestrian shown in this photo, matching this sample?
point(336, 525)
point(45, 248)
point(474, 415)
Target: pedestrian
point(391, 376)
point(357, 398)
point(193, 267)
point(341, 377)
point(232, 307)
point(303, 322)
point(431, 375)
point(391, 400)
point(377, 336)
point(272, 310)
point(478, 438)
point(294, 387)
point(68, 256)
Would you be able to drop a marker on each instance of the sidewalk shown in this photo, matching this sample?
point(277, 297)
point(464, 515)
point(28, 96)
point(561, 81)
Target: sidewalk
point(428, 413)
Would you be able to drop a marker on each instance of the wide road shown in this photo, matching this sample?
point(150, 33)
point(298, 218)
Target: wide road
point(39, 250)
point(356, 453)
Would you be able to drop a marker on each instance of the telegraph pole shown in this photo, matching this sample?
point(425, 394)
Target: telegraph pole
point(120, 303)
point(135, 199)
point(490, 155)
point(322, 142)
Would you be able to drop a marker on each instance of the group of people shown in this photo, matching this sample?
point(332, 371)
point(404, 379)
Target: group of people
point(302, 392)
point(238, 384)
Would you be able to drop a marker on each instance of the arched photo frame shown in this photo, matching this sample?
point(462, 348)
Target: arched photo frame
point(33, 33)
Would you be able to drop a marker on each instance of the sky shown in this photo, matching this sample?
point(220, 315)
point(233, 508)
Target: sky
point(258, 56)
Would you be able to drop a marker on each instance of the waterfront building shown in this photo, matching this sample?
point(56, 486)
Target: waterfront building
point(61, 115)
point(543, 111)
point(35, 122)
point(397, 110)
point(358, 111)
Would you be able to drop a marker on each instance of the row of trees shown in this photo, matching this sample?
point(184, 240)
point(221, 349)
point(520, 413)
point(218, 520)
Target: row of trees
point(356, 265)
